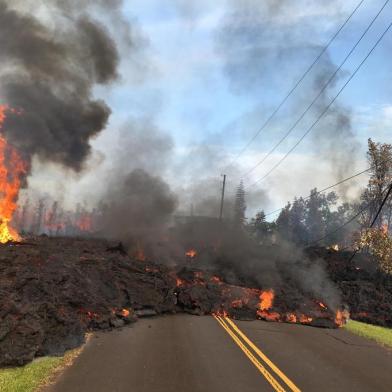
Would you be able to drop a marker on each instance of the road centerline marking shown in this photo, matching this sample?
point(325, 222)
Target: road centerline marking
point(273, 367)
point(268, 376)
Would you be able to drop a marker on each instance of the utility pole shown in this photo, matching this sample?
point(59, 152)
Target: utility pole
point(223, 197)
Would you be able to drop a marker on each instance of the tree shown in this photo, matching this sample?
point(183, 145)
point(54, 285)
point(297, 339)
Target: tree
point(283, 222)
point(314, 216)
point(380, 162)
point(259, 226)
point(240, 206)
point(378, 243)
point(297, 229)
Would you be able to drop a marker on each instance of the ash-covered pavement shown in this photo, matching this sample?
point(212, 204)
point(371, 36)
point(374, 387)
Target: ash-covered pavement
point(188, 353)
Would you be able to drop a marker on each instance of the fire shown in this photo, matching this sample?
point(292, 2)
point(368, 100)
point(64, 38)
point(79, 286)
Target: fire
point(84, 223)
point(125, 312)
point(139, 252)
point(335, 247)
point(179, 282)
point(191, 253)
point(322, 305)
point(12, 168)
point(266, 299)
point(221, 313)
point(303, 319)
point(269, 316)
point(341, 317)
point(291, 318)
point(216, 280)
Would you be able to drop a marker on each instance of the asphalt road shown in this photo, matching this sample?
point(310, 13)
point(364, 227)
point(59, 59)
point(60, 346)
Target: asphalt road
point(189, 353)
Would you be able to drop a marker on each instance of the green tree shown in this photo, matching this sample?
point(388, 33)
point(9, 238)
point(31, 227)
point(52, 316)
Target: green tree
point(259, 226)
point(240, 206)
point(283, 222)
point(380, 161)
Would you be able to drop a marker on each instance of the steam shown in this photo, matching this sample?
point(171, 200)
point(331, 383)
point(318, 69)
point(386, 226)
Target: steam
point(50, 66)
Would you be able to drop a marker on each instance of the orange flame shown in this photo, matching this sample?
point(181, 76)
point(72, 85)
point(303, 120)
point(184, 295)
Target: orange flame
point(84, 223)
point(221, 313)
point(216, 280)
point(341, 317)
point(303, 319)
point(191, 253)
point(266, 299)
point(12, 168)
point(139, 252)
point(291, 318)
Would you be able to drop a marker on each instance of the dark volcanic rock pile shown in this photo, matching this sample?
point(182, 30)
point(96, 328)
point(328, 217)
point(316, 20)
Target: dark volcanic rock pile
point(367, 291)
point(53, 290)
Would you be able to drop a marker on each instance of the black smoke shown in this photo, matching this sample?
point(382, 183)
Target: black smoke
point(50, 67)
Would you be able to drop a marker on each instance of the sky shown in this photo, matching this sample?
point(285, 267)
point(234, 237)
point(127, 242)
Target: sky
point(206, 75)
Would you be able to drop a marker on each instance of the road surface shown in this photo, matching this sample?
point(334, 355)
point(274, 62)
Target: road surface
point(185, 353)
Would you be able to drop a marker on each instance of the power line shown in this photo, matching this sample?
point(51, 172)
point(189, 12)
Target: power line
point(381, 206)
point(375, 218)
point(342, 226)
point(332, 77)
point(287, 96)
point(326, 109)
point(389, 190)
point(325, 189)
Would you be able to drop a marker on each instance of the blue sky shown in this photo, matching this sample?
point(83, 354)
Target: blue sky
point(184, 87)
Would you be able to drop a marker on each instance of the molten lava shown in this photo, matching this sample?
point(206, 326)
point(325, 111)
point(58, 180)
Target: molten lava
point(266, 299)
point(191, 253)
point(12, 168)
point(84, 223)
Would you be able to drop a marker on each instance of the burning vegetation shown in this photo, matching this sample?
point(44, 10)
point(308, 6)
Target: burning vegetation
point(12, 170)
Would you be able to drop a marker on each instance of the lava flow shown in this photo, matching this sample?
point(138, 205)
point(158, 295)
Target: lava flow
point(12, 168)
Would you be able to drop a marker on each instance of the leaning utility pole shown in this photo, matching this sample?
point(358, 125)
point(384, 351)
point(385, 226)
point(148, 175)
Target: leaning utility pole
point(223, 197)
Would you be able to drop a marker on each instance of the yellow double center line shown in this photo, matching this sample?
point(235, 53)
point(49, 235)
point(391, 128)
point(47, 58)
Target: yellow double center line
point(251, 351)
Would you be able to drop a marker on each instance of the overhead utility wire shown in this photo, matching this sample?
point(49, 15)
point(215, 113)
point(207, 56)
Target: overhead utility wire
point(287, 96)
point(325, 110)
point(325, 189)
point(356, 216)
point(375, 218)
point(332, 77)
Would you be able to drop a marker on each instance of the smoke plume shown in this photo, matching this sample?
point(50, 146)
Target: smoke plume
point(50, 66)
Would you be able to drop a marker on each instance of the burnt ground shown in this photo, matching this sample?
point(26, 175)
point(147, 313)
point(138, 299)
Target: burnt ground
point(54, 290)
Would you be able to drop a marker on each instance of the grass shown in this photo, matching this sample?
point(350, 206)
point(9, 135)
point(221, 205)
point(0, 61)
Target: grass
point(379, 334)
point(36, 374)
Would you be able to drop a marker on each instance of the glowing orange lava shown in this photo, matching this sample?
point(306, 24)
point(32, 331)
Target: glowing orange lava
point(341, 317)
point(191, 253)
point(216, 280)
point(12, 168)
point(322, 305)
point(84, 223)
point(139, 252)
point(266, 299)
